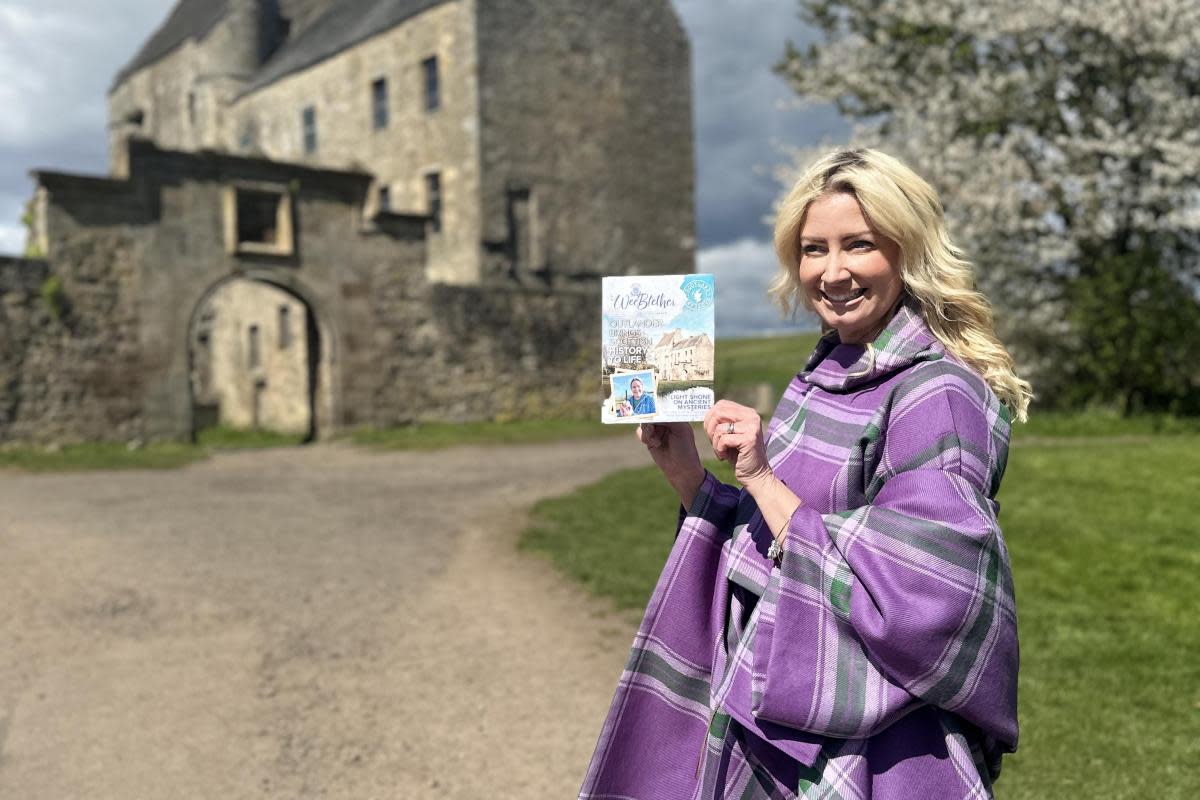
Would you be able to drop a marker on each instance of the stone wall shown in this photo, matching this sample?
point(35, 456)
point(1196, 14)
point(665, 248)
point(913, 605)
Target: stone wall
point(587, 107)
point(182, 99)
point(250, 361)
point(139, 259)
point(414, 143)
point(69, 368)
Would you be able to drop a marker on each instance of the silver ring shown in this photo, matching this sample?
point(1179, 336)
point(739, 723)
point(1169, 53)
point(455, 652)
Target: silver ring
point(729, 428)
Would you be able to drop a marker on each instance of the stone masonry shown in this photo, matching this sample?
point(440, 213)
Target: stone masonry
point(299, 144)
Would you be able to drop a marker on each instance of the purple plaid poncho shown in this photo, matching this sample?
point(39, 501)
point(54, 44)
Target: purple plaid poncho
point(878, 659)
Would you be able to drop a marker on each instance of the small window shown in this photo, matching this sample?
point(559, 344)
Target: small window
point(191, 107)
point(248, 138)
point(308, 121)
point(429, 68)
point(255, 357)
point(385, 198)
point(285, 327)
point(433, 199)
point(258, 219)
point(379, 104)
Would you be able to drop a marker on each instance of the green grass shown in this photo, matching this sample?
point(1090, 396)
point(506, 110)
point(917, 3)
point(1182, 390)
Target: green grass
point(433, 436)
point(169, 455)
point(225, 438)
point(1103, 538)
point(159, 455)
point(744, 363)
point(1072, 424)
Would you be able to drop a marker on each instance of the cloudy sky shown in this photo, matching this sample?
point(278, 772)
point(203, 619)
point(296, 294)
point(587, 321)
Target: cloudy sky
point(58, 58)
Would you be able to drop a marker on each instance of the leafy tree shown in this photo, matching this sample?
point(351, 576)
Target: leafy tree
point(1065, 140)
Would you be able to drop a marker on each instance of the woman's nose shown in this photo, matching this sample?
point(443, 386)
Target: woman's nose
point(835, 268)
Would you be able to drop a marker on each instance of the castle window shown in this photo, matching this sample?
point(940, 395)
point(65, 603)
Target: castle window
point(255, 357)
point(429, 68)
point(379, 104)
point(433, 199)
point(258, 220)
point(191, 107)
point(385, 198)
point(285, 327)
point(308, 122)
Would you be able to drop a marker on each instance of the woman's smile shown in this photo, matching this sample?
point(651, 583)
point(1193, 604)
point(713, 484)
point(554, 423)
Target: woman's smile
point(842, 299)
point(849, 270)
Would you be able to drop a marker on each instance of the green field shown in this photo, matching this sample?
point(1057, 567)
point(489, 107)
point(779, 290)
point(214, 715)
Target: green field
point(743, 363)
point(1105, 544)
point(157, 455)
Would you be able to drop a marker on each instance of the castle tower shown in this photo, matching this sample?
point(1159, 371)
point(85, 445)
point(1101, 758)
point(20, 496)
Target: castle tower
point(252, 29)
point(206, 52)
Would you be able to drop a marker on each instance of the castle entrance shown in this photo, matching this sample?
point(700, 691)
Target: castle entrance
point(255, 355)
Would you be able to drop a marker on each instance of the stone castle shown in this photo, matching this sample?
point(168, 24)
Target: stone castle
point(322, 214)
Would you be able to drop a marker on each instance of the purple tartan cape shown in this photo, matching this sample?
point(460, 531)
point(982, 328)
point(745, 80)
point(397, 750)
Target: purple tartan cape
point(893, 594)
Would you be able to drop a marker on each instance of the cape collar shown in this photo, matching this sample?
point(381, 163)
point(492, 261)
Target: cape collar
point(838, 367)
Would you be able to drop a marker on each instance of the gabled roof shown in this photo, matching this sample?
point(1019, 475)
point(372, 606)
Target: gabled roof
point(666, 339)
point(681, 342)
point(347, 23)
point(191, 19)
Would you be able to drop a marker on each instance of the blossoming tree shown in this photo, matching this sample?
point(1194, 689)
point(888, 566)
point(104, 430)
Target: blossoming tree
point(1065, 139)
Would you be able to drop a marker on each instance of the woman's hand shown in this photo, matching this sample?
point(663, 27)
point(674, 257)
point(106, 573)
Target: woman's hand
point(736, 435)
point(673, 448)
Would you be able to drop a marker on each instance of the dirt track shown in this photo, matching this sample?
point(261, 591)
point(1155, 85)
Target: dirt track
point(319, 622)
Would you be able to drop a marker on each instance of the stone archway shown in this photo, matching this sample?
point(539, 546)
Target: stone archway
point(256, 360)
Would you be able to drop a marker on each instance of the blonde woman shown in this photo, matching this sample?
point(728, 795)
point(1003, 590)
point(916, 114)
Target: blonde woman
point(843, 625)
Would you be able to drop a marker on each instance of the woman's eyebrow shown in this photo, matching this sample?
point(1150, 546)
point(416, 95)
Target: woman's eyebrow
point(843, 238)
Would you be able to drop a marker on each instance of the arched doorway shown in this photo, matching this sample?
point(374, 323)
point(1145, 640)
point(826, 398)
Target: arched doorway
point(255, 354)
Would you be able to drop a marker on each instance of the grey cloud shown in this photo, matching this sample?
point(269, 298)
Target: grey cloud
point(744, 270)
point(59, 58)
point(740, 124)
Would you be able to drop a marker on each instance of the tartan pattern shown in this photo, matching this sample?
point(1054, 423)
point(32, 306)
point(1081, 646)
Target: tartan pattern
point(889, 621)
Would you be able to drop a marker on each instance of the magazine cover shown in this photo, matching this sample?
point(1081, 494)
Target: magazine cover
point(658, 348)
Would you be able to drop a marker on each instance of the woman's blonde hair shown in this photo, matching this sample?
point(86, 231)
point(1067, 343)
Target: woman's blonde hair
point(906, 209)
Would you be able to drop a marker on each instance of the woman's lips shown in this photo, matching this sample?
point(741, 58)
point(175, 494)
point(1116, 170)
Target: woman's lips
point(842, 298)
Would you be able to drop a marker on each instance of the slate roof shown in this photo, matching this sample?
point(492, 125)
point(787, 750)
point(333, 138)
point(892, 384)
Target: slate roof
point(191, 19)
point(346, 24)
point(688, 341)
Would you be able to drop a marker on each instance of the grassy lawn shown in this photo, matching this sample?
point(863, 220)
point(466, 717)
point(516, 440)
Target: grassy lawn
point(101, 456)
point(1103, 536)
point(774, 360)
point(158, 455)
point(223, 438)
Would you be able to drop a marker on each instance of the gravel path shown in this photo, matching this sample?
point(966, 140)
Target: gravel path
point(316, 622)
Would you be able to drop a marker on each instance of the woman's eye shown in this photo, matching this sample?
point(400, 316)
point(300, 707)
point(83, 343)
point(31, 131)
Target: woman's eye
point(862, 244)
point(812, 250)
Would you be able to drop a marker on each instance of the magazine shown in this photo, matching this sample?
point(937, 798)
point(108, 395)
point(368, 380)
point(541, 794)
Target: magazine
point(658, 347)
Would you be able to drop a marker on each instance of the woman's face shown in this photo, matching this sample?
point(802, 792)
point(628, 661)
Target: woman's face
point(849, 271)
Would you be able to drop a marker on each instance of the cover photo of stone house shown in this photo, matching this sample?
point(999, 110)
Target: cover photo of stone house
point(684, 358)
point(321, 214)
